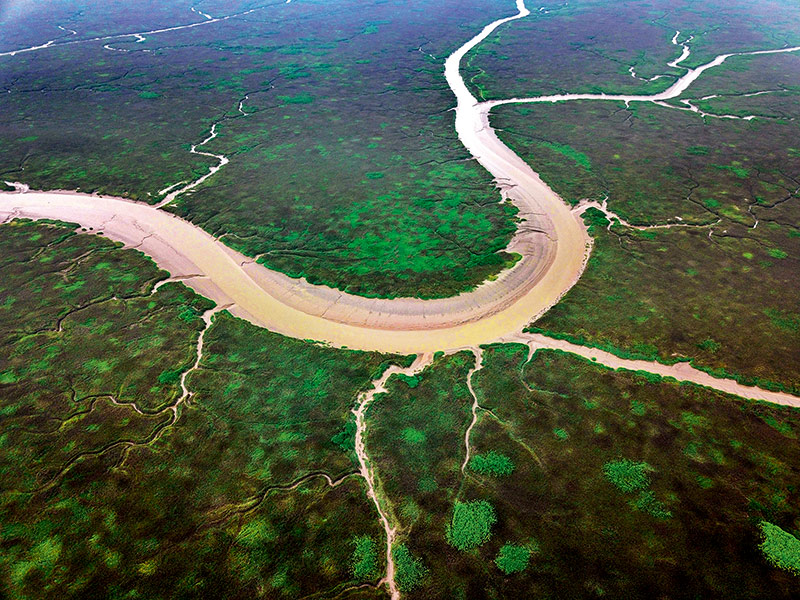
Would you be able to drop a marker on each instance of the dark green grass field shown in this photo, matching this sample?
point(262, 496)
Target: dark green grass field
point(713, 468)
point(345, 167)
point(619, 485)
point(103, 496)
point(583, 482)
point(590, 45)
point(722, 290)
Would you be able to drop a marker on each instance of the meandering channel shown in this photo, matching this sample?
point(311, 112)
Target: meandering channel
point(551, 239)
point(366, 470)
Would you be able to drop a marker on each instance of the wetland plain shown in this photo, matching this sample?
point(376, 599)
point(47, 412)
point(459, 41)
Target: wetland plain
point(399, 299)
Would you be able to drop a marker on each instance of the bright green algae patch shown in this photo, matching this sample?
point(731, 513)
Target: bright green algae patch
point(492, 463)
point(513, 559)
point(365, 558)
point(781, 548)
point(471, 524)
point(410, 571)
point(627, 475)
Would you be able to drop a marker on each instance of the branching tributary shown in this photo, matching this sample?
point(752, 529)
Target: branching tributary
point(222, 161)
point(366, 469)
point(552, 240)
point(173, 409)
point(478, 352)
point(138, 36)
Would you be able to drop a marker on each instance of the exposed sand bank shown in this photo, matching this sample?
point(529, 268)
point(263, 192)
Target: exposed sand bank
point(278, 302)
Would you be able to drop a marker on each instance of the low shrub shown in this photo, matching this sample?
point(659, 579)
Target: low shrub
point(471, 524)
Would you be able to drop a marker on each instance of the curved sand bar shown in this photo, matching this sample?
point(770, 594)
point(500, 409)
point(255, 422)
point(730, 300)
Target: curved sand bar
point(268, 298)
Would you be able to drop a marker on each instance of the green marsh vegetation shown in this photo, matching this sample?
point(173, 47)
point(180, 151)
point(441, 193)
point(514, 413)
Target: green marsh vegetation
point(763, 85)
point(588, 46)
point(471, 524)
point(513, 559)
point(492, 463)
point(630, 477)
point(345, 166)
point(627, 475)
point(416, 442)
point(102, 496)
point(230, 500)
point(636, 497)
point(365, 558)
point(781, 548)
point(730, 180)
point(411, 572)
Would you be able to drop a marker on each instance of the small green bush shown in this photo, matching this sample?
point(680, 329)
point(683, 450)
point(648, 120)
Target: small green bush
point(647, 503)
point(409, 570)
point(512, 559)
point(167, 377)
point(594, 219)
point(627, 475)
point(492, 463)
point(411, 381)
point(346, 438)
point(471, 524)
point(709, 345)
point(413, 436)
point(364, 561)
point(638, 408)
point(698, 150)
point(781, 548)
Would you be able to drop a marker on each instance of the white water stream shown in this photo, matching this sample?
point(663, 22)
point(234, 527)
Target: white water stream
point(478, 353)
point(675, 90)
point(223, 160)
point(139, 36)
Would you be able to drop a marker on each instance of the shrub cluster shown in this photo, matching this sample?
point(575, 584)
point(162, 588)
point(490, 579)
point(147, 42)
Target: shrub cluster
point(781, 548)
point(627, 475)
point(471, 524)
point(492, 463)
point(409, 570)
point(512, 559)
